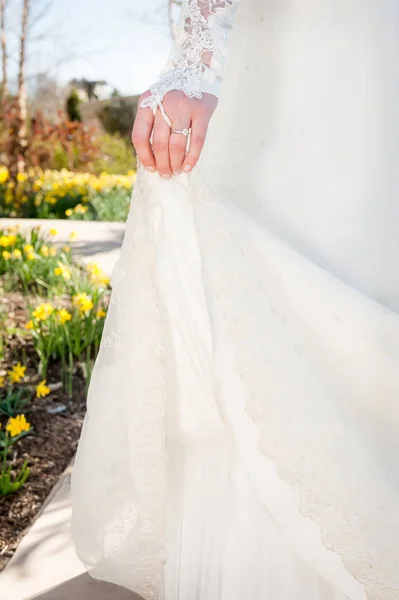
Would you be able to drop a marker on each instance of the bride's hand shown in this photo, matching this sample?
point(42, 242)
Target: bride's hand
point(167, 154)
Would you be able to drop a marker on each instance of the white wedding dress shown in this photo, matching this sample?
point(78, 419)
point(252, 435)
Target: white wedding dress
point(242, 434)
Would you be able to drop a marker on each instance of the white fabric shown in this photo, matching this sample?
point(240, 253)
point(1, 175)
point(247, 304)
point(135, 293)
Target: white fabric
point(242, 428)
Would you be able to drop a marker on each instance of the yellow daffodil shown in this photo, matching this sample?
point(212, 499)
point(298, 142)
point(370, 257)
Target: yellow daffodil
point(44, 250)
point(42, 390)
point(31, 256)
point(22, 177)
point(6, 255)
point(100, 280)
point(101, 314)
point(93, 268)
point(62, 271)
point(69, 212)
point(29, 325)
point(16, 253)
point(53, 232)
point(52, 252)
point(2, 380)
point(43, 311)
point(7, 240)
point(3, 175)
point(16, 373)
point(66, 249)
point(28, 248)
point(83, 303)
point(63, 316)
point(73, 236)
point(97, 275)
point(17, 425)
point(80, 210)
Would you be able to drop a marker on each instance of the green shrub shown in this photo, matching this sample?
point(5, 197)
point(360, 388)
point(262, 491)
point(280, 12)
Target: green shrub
point(112, 205)
point(117, 116)
point(117, 155)
point(72, 106)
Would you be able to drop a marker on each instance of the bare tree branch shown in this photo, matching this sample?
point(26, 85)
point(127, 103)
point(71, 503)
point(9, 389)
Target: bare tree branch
point(171, 7)
point(44, 11)
point(22, 96)
point(3, 7)
point(155, 17)
point(22, 47)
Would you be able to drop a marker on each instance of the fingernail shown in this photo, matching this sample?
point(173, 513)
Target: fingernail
point(187, 169)
point(150, 169)
point(176, 172)
point(166, 176)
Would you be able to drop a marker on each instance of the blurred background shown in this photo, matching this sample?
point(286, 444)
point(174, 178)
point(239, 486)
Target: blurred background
point(71, 75)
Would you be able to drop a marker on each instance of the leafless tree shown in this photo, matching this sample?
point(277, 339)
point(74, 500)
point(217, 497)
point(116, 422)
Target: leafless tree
point(22, 96)
point(19, 129)
point(4, 85)
point(172, 6)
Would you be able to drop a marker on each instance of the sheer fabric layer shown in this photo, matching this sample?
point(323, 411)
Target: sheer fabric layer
point(119, 479)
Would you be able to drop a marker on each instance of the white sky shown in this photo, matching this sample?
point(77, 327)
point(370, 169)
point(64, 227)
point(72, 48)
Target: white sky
point(125, 42)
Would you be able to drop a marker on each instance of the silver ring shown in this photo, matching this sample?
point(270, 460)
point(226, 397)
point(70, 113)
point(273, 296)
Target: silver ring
point(182, 131)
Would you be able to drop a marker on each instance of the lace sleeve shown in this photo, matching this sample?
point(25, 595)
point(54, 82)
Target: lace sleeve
point(197, 59)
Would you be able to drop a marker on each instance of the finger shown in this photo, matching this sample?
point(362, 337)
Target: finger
point(199, 128)
point(142, 129)
point(160, 145)
point(178, 146)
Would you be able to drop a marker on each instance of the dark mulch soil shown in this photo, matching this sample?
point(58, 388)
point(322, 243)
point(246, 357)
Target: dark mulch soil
point(56, 422)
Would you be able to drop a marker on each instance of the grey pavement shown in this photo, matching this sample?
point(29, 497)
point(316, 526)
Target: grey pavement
point(45, 566)
point(95, 241)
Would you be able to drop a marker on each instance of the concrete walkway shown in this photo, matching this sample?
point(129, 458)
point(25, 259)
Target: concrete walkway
point(45, 566)
point(95, 241)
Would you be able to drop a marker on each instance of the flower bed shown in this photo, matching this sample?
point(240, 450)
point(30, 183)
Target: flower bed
point(52, 312)
point(65, 194)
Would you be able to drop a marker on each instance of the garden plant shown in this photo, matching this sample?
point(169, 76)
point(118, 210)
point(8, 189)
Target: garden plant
point(52, 194)
point(52, 313)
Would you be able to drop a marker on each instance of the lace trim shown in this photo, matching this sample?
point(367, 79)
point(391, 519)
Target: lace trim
point(120, 534)
point(200, 30)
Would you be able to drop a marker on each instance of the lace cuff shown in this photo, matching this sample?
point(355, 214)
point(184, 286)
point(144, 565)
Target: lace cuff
point(197, 59)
